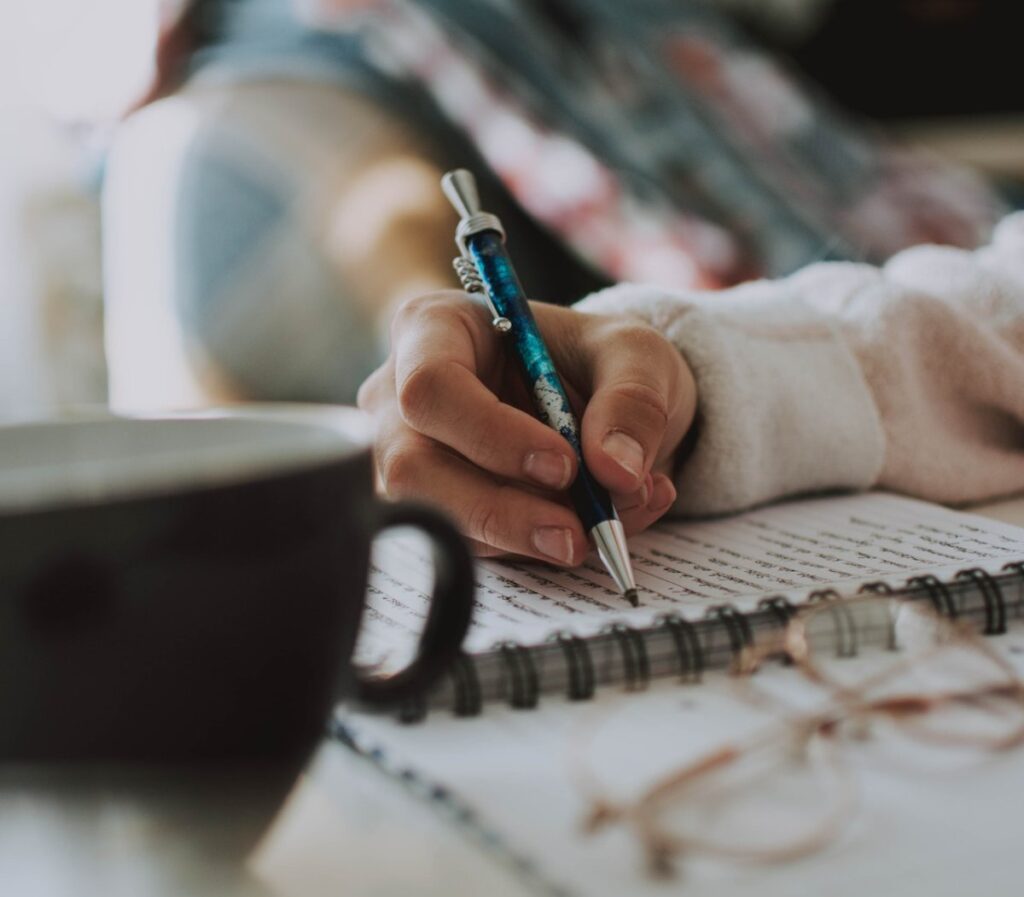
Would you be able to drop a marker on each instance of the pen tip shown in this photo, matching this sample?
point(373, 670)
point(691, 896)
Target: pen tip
point(632, 598)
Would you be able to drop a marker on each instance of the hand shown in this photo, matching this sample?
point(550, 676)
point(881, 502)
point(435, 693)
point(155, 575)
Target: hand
point(456, 426)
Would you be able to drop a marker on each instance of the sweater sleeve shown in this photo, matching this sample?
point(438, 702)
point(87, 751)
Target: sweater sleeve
point(908, 377)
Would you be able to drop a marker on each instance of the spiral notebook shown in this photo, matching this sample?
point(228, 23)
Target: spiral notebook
point(550, 650)
point(706, 589)
point(928, 823)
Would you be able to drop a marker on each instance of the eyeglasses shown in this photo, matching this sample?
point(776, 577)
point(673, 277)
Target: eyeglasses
point(856, 668)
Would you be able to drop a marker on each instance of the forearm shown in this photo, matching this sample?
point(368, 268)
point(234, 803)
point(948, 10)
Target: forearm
point(909, 377)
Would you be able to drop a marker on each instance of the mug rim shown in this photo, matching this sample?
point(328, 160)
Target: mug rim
point(85, 481)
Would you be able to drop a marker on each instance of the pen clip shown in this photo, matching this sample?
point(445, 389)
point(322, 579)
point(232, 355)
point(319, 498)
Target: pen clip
point(472, 282)
point(460, 188)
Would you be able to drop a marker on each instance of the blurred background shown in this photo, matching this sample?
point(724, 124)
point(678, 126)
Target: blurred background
point(67, 72)
point(226, 198)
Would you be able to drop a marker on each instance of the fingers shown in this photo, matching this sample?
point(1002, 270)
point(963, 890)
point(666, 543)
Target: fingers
point(499, 516)
point(445, 436)
point(645, 507)
point(641, 405)
point(638, 511)
point(632, 500)
point(438, 367)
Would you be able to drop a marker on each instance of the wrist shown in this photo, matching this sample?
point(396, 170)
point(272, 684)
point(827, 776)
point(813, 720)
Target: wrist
point(784, 407)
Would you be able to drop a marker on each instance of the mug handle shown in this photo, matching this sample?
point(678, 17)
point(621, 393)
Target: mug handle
point(451, 606)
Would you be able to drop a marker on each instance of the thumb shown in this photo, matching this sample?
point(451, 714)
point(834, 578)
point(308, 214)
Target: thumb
point(633, 409)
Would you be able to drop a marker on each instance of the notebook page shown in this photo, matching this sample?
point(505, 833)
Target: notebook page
point(930, 822)
point(790, 548)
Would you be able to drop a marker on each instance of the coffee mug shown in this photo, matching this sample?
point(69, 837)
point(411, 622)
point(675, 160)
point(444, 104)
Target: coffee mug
point(190, 587)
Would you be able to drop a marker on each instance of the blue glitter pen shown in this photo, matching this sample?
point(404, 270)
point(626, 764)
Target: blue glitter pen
point(485, 268)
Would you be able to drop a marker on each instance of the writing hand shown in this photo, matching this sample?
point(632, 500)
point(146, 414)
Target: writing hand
point(456, 427)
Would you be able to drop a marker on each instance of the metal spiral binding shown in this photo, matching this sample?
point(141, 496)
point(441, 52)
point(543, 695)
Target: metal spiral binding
point(736, 625)
point(693, 647)
point(845, 625)
point(1016, 567)
point(942, 601)
point(878, 587)
point(780, 607)
point(636, 667)
point(782, 610)
point(687, 643)
point(468, 699)
point(995, 606)
point(579, 663)
point(523, 682)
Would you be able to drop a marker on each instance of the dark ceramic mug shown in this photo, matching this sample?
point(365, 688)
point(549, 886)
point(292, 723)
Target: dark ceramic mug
point(191, 587)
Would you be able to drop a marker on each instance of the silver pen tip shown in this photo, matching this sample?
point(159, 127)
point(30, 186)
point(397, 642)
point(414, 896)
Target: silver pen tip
point(610, 540)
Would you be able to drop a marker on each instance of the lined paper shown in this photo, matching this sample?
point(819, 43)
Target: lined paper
point(791, 548)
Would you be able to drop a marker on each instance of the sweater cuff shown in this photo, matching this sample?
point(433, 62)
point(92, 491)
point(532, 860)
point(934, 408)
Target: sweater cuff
point(783, 407)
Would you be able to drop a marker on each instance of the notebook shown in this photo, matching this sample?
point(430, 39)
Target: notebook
point(494, 759)
point(706, 589)
point(501, 783)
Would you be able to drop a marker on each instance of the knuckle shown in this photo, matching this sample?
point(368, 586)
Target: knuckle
point(485, 520)
point(491, 447)
point(398, 467)
point(414, 306)
point(647, 404)
point(412, 310)
point(404, 314)
point(479, 450)
point(371, 387)
point(638, 338)
point(419, 391)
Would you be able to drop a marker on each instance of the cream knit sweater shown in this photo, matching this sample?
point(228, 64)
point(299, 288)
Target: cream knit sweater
point(908, 377)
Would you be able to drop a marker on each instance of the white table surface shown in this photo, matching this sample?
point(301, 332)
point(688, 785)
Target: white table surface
point(345, 829)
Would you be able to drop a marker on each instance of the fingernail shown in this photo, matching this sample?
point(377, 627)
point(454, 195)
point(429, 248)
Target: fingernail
point(625, 450)
point(642, 497)
point(662, 495)
point(555, 542)
point(550, 469)
point(645, 489)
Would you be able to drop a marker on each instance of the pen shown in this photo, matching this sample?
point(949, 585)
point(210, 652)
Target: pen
point(484, 267)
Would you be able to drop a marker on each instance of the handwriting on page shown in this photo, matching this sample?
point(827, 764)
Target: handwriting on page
point(684, 567)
